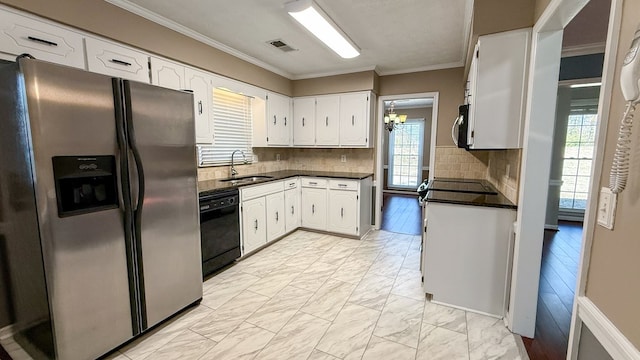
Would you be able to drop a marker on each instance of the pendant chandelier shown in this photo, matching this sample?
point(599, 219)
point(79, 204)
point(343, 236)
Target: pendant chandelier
point(393, 120)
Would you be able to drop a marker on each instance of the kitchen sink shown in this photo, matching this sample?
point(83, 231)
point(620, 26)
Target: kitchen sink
point(247, 179)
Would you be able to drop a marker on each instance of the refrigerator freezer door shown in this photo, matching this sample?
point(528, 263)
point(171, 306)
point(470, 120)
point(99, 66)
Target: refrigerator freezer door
point(164, 134)
point(72, 114)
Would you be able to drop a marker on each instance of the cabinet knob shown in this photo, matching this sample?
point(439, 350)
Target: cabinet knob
point(326, 121)
point(256, 224)
point(342, 212)
point(200, 107)
point(352, 120)
point(274, 119)
point(313, 209)
point(277, 217)
point(302, 121)
point(291, 209)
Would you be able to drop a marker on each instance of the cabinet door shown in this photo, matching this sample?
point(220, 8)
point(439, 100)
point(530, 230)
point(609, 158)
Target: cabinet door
point(304, 112)
point(275, 216)
point(200, 84)
point(327, 120)
point(314, 208)
point(354, 120)
point(254, 227)
point(498, 98)
point(167, 74)
point(278, 120)
point(292, 209)
point(114, 60)
point(19, 34)
point(343, 211)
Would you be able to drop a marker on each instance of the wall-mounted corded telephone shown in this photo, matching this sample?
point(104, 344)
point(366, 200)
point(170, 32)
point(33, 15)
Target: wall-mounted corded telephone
point(630, 84)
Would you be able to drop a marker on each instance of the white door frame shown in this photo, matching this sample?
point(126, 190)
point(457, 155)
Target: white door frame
point(542, 92)
point(604, 106)
point(380, 136)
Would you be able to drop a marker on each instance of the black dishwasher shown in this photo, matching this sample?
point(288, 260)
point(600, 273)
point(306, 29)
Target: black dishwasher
point(219, 229)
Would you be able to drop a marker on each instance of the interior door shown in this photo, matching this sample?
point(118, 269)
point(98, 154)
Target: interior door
point(163, 122)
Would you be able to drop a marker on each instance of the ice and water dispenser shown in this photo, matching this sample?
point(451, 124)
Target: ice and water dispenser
point(85, 184)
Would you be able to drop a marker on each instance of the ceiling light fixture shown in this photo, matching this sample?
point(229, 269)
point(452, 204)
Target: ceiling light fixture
point(312, 17)
point(393, 120)
point(585, 85)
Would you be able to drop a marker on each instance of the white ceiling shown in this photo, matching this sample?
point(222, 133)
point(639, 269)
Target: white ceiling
point(395, 36)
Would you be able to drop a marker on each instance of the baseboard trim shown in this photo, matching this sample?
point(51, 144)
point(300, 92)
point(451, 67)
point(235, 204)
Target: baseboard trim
point(551, 227)
point(6, 332)
point(616, 344)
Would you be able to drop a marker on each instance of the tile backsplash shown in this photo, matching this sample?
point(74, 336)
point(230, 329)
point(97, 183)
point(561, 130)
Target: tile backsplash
point(500, 167)
point(453, 162)
point(357, 160)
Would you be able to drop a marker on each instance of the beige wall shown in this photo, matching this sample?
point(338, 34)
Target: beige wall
point(447, 82)
point(511, 15)
point(613, 279)
point(104, 19)
point(364, 80)
point(540, 6)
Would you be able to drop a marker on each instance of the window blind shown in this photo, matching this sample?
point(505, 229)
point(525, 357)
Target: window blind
point(232, 129)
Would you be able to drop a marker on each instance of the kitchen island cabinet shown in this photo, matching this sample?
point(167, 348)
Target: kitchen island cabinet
point(467, 252)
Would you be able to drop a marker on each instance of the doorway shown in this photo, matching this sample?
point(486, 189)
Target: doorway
point(405, 153)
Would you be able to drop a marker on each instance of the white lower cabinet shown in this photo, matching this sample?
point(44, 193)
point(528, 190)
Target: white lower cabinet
point(468, 265)
point(314, 203)
point(275, 216)
point(292, 204)
point(262, 215)
point(254, 227)
point(343, 211)
point(270, 210)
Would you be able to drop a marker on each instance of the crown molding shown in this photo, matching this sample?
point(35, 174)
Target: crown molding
point(334, 73)
point(424, 68)
point(161, 20)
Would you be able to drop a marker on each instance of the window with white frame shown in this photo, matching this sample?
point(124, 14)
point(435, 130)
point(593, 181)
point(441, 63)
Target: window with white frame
point(232, 129)
point(405, 154)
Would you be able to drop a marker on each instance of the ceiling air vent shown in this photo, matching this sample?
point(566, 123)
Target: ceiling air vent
point(279, 44)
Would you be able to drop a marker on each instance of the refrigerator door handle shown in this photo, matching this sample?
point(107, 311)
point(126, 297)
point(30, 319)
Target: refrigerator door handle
point(137, 210)
point(123, 157)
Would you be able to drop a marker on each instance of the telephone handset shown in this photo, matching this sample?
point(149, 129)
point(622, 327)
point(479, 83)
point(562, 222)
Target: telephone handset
point(630, 84)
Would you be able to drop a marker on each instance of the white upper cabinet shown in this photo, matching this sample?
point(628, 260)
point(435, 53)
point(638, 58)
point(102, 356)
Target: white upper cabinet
point(115, 60)
point(327, 120)
point(279, 124)
point(44, 41)
point(497, 82)
point(200, 83)
point(167, 74)
point(304, 114)
point(355, 123)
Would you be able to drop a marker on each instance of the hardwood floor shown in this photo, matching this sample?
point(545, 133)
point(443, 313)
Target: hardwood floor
point(401, 214)
point(558, 273)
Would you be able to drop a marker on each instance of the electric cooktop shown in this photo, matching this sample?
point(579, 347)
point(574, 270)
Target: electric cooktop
point(462, 186)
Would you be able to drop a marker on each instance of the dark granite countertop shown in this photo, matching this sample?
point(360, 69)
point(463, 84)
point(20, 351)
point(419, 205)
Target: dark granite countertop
point(466, 198)
point(213, 186)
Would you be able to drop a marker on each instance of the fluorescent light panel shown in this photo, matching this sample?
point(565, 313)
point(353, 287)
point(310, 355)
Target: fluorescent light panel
point(311, 16)
point(585, 85)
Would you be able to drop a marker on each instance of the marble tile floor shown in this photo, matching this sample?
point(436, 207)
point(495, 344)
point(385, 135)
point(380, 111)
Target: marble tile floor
point(322, 297)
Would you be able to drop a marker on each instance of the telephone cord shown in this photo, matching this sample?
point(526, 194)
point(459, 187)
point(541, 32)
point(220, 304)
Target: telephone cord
point(620, 166)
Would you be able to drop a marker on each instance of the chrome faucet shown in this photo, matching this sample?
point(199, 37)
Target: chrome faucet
point(234, 172)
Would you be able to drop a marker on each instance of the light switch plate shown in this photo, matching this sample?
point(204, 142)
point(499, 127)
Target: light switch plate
point(606, 208)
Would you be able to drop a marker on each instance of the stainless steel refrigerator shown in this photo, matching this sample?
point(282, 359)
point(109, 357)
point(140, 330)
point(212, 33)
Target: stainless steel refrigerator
point(99, 207)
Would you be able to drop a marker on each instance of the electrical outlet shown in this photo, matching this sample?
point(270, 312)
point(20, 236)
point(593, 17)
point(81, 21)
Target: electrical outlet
point(606, 208)
point(343, 158)
point(277, 157)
